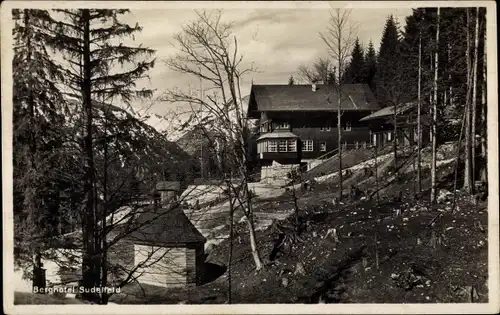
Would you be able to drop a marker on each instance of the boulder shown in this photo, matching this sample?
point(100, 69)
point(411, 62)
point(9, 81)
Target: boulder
point(299, 269)
point(444, 195)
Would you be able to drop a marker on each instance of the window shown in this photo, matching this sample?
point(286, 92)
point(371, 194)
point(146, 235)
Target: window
point(273, 146)
point(307, 145)
point(282, 146)
point(322, 146)
point(389, 136)
point(327, 128)
point(283, 125)
point(292, 146)
point(347, 126)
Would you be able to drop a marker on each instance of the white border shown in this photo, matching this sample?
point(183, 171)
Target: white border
point(493, 214)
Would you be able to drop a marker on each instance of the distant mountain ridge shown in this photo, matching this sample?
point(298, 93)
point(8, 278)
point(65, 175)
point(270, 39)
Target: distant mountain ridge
point(131, 136)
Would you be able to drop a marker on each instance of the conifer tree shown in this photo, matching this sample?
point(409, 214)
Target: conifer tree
point(37, 115)
point(355, 71)
point(291, 81)
point(390, 72)
point(97, 69)
point(388, 61)
point(370, 66)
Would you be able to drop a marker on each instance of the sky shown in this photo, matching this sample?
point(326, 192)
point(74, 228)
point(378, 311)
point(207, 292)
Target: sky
point(276, 41)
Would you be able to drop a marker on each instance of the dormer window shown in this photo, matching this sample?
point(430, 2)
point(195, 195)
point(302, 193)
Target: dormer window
point(283, 125)
point(324, 128)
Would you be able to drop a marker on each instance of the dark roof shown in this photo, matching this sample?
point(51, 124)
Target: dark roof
point(163, 226)
point(303, 98)
point(388, 111)
point(407, 109)
point(157, 227)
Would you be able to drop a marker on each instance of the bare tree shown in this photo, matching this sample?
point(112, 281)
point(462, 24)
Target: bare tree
point(484, 129)
point(208, 50)
point(474, 99)
point(339, 38)
point(419, 116)
point(434, 111)
point(467, 185)
point(319, 71)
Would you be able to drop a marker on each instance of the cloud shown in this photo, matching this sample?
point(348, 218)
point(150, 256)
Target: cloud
point(276, 41)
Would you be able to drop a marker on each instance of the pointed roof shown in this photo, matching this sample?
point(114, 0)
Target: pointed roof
point(149, 225)
point(165, 227)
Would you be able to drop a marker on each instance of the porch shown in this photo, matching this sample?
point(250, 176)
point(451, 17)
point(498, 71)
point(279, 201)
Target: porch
point(279, 146)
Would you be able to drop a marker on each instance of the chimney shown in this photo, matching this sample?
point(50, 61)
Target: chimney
point(314, 87)
point(168, 191)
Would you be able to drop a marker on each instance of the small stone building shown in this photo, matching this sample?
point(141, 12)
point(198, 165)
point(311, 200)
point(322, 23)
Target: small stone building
point(167, 247)
point(157, 241)
point(169, 251)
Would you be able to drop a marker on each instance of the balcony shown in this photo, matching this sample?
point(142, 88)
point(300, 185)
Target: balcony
point(277, 146)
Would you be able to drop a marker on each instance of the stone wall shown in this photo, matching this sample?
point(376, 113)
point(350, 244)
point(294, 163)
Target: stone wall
point(277, 173)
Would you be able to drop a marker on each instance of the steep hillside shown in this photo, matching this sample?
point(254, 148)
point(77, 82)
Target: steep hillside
point(362, 251)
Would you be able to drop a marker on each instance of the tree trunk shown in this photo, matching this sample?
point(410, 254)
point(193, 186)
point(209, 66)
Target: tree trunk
point(434, 112)
point(419, 120)
point(484, 121)
point(395, 143)
point(103, 228)
point(31, 193)
point(230, 254)
point(467, 171)
point(251, 229)
point(339, 135)
point(376, 171)
point(474, 102)
point(89, 261)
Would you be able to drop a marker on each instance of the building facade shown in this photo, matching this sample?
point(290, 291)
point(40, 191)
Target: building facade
point(381, 125)
point(298, 123)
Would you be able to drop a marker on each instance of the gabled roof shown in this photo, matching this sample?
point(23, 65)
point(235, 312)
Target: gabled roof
point(303, 98)
point(164, 226)
point(155, 226)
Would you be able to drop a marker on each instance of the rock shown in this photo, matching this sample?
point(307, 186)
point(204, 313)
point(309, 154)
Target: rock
point(444, 195)
point(284, 282)
point(299, 269)
point(243, 219)
point(334, 234)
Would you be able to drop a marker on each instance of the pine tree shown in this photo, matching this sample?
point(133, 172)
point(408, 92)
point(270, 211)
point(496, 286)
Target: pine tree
point(94, 71)
point(370, 66)
point(355, 72)
point(291, 81)
point(38, 113)
point(390, 73)
point(388, 62)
